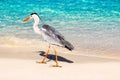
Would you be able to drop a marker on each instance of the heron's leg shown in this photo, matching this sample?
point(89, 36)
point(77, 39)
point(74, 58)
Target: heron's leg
point(56, 59)
point(46, 55)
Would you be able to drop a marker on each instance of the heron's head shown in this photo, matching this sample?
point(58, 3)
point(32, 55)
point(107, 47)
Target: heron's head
point(34, 16)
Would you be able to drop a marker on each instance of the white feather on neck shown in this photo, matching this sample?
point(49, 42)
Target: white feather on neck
point(36, 23)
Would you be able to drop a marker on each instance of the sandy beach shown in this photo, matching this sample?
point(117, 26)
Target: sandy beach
point(19, 63)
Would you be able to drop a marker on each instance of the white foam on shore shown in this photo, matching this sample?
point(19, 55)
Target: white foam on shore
point(15, 41)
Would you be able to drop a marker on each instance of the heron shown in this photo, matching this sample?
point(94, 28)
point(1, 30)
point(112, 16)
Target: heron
point(50, 35)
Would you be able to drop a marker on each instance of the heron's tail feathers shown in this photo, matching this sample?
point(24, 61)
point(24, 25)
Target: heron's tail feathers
point(68, 45)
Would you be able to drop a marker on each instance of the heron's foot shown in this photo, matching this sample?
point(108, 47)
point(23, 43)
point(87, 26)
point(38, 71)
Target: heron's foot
point(56, 66)
point(41, 62)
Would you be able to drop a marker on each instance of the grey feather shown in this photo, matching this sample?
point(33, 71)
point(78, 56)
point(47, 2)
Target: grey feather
point(55, 37)
point(52, 30)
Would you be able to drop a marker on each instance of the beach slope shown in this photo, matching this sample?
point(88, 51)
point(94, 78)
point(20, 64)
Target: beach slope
point(19, 63)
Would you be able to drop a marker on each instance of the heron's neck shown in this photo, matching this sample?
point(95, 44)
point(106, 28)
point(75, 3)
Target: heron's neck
point(35, 25)
point(36, 21)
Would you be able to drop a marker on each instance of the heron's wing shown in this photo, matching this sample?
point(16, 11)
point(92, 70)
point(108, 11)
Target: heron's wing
point(52, 31)
point(56, 36)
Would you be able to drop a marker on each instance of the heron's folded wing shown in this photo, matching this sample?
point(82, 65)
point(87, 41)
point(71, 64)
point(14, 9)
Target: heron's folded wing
point(52, 31)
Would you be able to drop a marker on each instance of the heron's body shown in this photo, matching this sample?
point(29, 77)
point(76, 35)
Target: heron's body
point(49, 34)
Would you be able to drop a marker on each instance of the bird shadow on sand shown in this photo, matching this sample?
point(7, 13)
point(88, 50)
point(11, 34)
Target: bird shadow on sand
point(52, 57)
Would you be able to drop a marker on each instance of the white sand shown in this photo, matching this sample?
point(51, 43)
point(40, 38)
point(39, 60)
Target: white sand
point(19, 63)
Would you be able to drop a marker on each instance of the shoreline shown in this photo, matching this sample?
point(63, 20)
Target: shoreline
point(35, 53)
point(35, 50)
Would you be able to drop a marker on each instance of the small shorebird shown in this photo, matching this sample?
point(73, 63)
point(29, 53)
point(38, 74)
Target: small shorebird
point(51, 35)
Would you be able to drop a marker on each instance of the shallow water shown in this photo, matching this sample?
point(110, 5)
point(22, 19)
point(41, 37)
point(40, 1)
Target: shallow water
point(87, 24)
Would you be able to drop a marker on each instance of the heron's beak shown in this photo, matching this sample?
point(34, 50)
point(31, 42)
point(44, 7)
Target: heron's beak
point(27, 19)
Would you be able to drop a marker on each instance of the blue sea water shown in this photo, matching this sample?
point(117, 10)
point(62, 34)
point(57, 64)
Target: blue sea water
point(88, 24)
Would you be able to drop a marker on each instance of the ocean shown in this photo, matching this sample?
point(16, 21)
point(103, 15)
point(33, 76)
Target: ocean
point(87, 24)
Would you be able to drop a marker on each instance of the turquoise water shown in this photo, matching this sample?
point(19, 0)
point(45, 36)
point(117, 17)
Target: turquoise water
point(88, 24)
